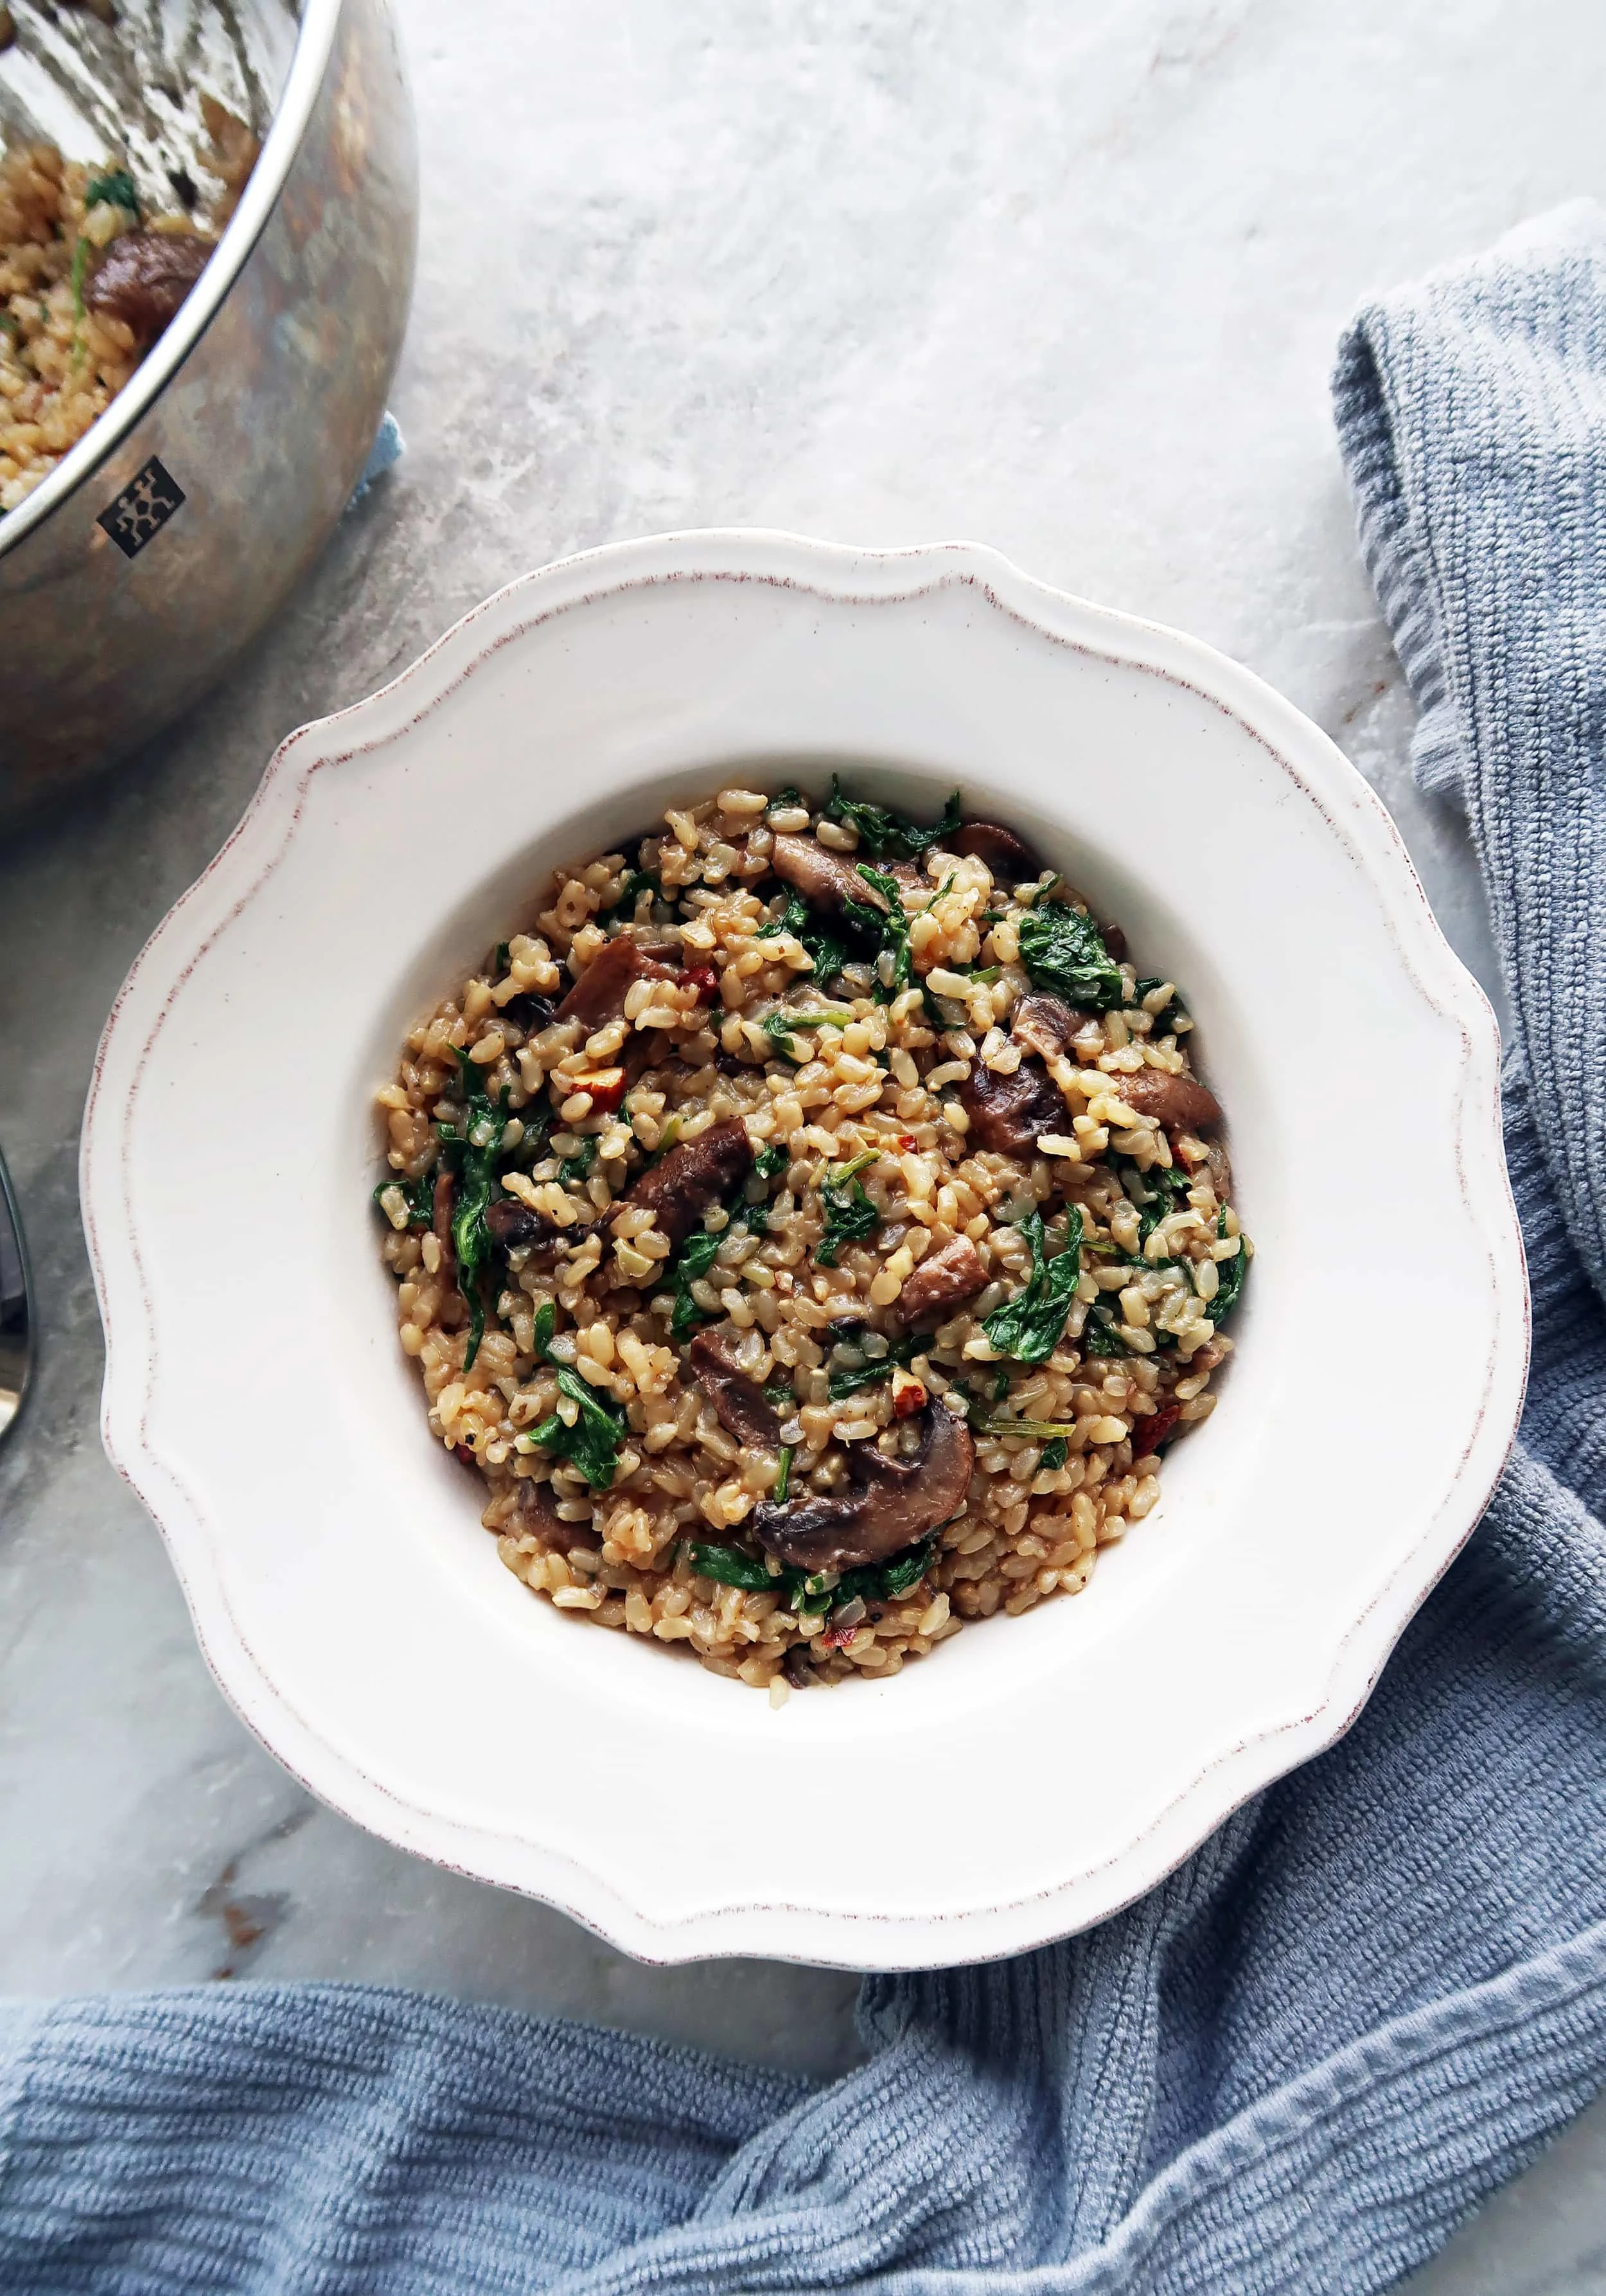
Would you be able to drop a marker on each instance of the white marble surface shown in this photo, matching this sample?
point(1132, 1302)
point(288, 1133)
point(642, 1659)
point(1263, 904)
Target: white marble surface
point(1066, 277)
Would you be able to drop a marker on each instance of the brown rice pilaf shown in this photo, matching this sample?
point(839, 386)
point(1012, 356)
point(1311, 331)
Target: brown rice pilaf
point(812, 1230)
point(88, 280)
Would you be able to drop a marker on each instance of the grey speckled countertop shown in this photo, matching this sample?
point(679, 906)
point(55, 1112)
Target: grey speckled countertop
point(1063, 279)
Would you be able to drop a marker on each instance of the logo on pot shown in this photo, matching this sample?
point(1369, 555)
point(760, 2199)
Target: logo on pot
point(143, 509)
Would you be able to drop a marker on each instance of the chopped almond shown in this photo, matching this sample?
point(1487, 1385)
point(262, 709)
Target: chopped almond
point(908, 1394)
point(605, 1086)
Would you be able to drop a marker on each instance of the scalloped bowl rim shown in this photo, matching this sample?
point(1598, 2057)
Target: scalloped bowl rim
point(826, 1925)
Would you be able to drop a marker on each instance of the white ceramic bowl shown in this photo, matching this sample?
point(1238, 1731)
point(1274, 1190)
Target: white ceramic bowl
point(1036, 1773)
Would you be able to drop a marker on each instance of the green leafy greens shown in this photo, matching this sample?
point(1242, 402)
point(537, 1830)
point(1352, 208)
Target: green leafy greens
point(573, 1171)
point(898, 1357)
point(592, 1445)
point(1168, 1016)
point(793, 919)
point(888, 836)
point(690, 1264)
point(1099, 1336)
point(473, 1160)
point(1162, 1189)
point(624, 909)
point(808, 1593)
point(114, 189)
point(531, 1149)
point(850, 1215)
point(1030, 1326)
point(419, 1194)
point(728, 1566)
point(697, 1255)
point(1168, 1192)
point(1229, 1290)
point(890, 932)
point(782, 1026)
point(874, 1582)
point(825, 951)
point(1029, 1430)
point(1064, 950)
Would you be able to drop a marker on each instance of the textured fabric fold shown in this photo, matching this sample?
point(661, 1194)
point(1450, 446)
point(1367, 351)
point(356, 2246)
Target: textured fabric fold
point(1473, 415)
point(1370, 1999)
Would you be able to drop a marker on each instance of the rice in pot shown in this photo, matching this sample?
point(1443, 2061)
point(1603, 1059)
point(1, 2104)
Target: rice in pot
point(88, 280)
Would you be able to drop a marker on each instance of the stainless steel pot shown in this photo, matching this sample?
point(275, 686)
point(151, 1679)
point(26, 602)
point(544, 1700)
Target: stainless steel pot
point(161, 545)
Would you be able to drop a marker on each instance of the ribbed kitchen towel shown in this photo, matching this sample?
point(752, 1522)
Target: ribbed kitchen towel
point(1370, 1999)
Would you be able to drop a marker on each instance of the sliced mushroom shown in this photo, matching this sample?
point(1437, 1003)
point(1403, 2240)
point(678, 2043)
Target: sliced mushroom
point(943, 1278)
point(740, 1404)
point(537, 1515)
point(599, 994)
point(512, 1224)
point(1007, 858)
point(530, 1013)
point(145, 277)
point(889, 1503)
point(1170, 1100)
point(1007, 1112)
point(1045, 1024)
point(828, 880)
point(687, 1183)
point(1115, 941)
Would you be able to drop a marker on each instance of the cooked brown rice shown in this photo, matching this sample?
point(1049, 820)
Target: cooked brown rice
point(950, 1088)
point(62, 361)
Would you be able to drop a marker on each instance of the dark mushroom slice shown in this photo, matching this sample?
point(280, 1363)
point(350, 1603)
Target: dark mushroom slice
point(740, 1404)
point(1008, 1112)
point(530, 1013)
point(512, 1224)
point(887, 1504)
point(1179, 1101)
point(942, 1279)
point(145, 276)
point(1115, 941)
point(598, 996)
point(537, 1514)
point(685, 1184)
point(1045, 1025)
point(1007, 858)
point(828, 880)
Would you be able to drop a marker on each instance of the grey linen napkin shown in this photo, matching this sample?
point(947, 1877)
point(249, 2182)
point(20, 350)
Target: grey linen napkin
point(1374, 1994)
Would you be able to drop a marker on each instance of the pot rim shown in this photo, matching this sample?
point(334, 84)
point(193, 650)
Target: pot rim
point(314, 41)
